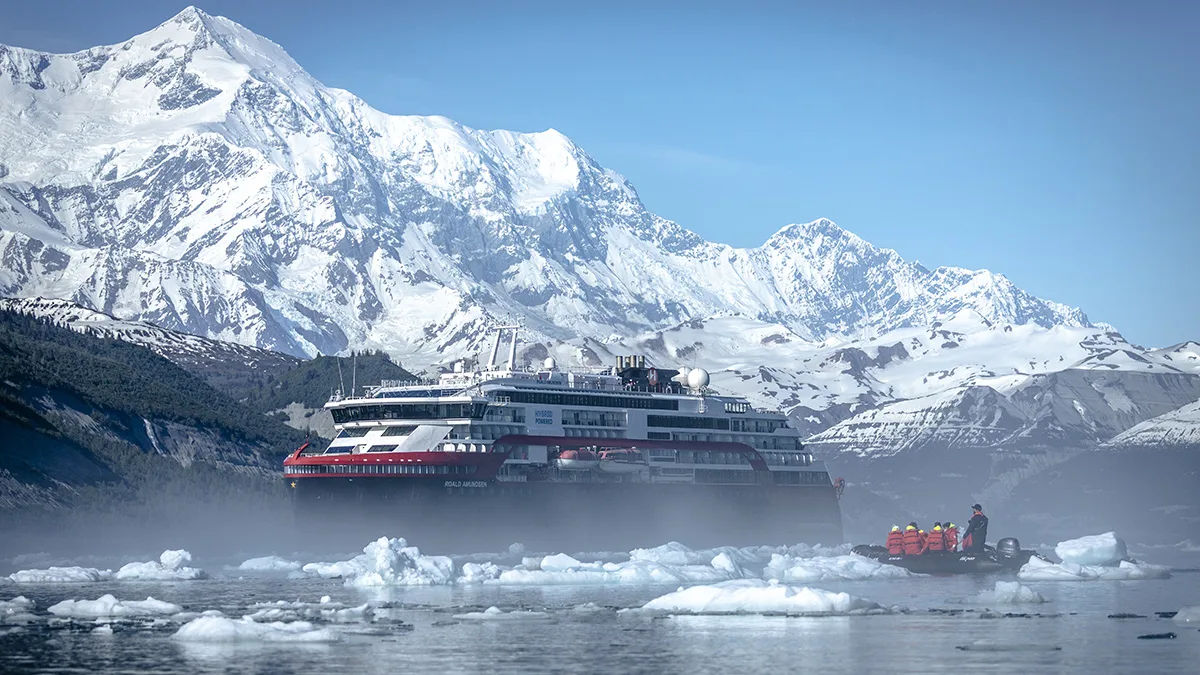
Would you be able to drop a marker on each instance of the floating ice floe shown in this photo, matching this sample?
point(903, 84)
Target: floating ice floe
point(754, 596)
point(109, 606)
point(325, 610)
point(1008, 593)
point(497, 614)
point(1098, 549)
point(1188, 614)
point(17, 610)
point(992, 646)
point(170, 566)
point(1040, 570)
point(388, 562)
point(837, 568)
point(102, 630)
point(561, 569)
point(270, 563)
point(223, 629)
point(474, 573)
point(60, 575)
point(675, 553)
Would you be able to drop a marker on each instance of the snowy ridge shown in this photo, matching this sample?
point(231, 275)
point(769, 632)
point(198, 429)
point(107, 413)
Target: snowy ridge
point(1178, 428)
point(197, 178)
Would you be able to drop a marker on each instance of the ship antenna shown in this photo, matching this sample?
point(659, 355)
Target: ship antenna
point(341, 378)
point(354, 374)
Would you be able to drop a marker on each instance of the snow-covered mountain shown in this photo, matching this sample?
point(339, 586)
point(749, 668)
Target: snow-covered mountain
point(198, 178)
point(195, 178)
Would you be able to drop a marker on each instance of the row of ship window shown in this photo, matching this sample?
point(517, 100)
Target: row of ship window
point(757, 426)
point(413, 469)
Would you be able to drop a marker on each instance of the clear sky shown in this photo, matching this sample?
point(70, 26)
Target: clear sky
point(1057, 143)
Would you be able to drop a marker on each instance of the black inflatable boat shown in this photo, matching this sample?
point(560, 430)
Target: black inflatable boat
point(1007, 556)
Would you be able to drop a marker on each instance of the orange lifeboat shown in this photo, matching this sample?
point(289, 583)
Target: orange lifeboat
point(576, 460)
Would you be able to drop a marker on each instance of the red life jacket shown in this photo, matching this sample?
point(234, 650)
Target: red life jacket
point(952, 539)
point(895, 543)
point(936, 541)
point(912, 542)
point(967, 541)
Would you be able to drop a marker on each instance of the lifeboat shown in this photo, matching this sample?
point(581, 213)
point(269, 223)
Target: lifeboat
point(576, 460)
point(621, 461)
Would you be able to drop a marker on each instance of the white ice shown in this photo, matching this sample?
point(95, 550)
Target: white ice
point(1008, 593)
point(497, 614)
point(109, 606)
point(675, 553)
point(270, 563)
point(388, 562)
point(60, 575)
point(170, 566)
point(326, 610)
point(102, 630)
point(1040, 570)
point(474, 573)
point(1098, 549)
point(1188, 614)
point(992, 646)
point(840, 568)
point(753, 596)
point(17, 610)
point(223, 629)
point(562, 569)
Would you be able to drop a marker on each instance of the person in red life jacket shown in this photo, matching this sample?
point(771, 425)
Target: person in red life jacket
point(976, 534)
point(912, 540)
point(951, 537)
point(895, 541)
point(935, 542)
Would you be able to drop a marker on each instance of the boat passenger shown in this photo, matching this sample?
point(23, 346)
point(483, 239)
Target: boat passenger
point(912, 540)
point(951, 537)
point(895, 541)
point(976, 534)
point(936, 541)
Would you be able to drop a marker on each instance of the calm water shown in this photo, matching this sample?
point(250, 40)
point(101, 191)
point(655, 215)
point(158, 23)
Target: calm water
point(414, 631)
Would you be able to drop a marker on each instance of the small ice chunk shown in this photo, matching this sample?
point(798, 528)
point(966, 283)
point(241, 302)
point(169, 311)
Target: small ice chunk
point(754, 596)
point(388, 562)
point(836, 568)
point(17, 610)
point(1041, 570)
point(991, 646)
point(102, 630)
point(1009, 593)
point(109, 606)
point(1188, 614)
point(1098, 549)
point(60, 575)
point(497, 614)
point(222, 629)
point(270, 563)
point(475, 573)
point(170, 566)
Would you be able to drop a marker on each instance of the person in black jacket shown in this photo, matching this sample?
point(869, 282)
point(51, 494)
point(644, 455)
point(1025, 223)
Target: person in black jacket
point(976, 534)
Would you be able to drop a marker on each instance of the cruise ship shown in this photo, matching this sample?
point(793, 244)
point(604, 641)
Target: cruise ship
point(581, 459)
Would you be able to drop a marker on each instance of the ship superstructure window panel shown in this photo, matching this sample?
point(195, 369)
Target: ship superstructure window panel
point(354, 433)
point(684, 422)
point(593, 418)
point(409, 411)
point(599, 401)
point(398, 431)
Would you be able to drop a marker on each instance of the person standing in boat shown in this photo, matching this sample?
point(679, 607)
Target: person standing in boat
point(976, 534)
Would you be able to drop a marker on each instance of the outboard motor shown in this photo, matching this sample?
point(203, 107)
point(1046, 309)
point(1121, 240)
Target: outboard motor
point(1008, 547)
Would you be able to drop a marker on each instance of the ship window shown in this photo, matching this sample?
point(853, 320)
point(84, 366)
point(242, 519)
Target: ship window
point(658, 435)
point(382, 448)
point(358, 432)
point(684, 422)
point(398, 431)
point(409, 411)
point(589, 400)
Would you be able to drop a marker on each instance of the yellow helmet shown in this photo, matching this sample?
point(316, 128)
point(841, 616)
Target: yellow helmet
point(910, 527)
point(895, 528)
point(937, 528)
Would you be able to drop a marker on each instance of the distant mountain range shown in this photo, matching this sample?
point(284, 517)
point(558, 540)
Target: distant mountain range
point(195, 181)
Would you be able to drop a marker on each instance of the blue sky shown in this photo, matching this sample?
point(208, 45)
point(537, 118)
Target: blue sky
point(1056, 143)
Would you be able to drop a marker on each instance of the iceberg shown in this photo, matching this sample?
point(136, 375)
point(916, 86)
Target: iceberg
point(1188, 614)
point(1040, 570)
point(388, 562)
point(109, 606)
point(675, 553)
point(170, 566)
point(1099, 549)
point(1008, 593)
point(17, 610)
point(838, 568)
point(754, 596)
point(497, 614)
point(60, 575)
point(271, 563)
point(565, 570)
point(474, 573)
point(223, 629)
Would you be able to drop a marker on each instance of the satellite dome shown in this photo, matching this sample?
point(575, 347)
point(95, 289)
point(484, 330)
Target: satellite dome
point(549, 363)
point(697, 378)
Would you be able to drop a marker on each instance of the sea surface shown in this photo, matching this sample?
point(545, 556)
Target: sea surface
point(584, 630)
